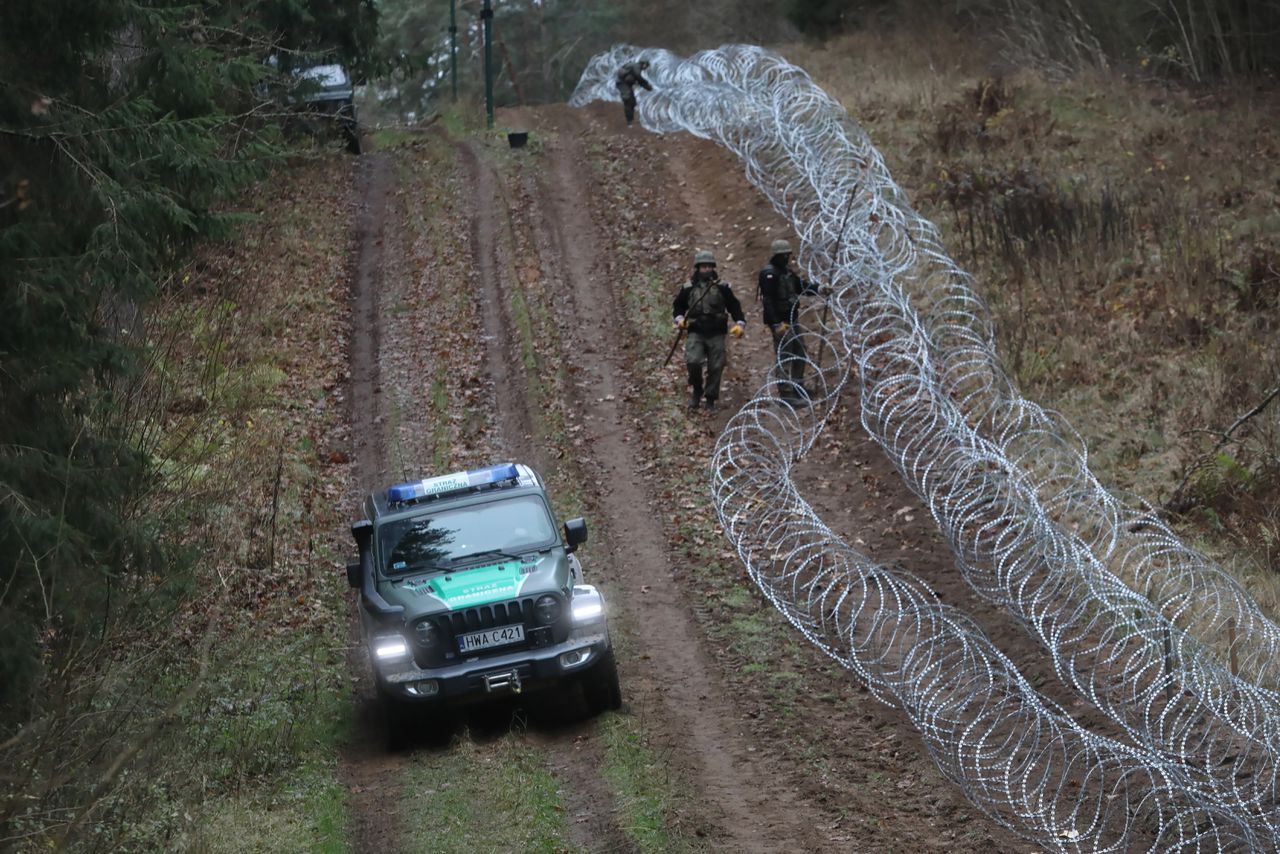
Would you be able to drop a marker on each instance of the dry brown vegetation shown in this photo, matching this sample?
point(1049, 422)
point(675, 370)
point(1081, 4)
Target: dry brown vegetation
point(1126, 234)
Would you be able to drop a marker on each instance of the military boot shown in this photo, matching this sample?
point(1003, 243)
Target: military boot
point(711, 404)
point(695, 383)
point(793, 395)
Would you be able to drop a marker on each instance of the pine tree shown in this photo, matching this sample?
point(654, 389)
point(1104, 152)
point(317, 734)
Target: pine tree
point(122, 124)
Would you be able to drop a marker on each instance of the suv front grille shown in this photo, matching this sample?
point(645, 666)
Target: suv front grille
point(489, 616)
point(443, 647)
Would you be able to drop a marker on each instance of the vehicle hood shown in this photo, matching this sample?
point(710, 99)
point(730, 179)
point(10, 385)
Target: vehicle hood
point(482, 584)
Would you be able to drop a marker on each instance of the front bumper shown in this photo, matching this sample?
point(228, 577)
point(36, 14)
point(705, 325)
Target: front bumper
point(496, 675)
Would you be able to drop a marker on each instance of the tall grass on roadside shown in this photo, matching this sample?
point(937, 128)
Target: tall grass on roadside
point(1199, 41)
point(220, 671)
point(1130, 278)
point(1123, 232)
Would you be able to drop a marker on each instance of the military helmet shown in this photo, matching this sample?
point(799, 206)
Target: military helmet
point(704, 257)
point(779, 247)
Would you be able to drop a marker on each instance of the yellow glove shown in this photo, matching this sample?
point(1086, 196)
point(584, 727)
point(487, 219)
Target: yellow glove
point(681, 323)
point(780, 328)
point(736, 330)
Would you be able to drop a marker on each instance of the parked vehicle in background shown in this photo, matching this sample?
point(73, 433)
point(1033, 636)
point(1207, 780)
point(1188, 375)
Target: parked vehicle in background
point(322, 94)
point(328, 90)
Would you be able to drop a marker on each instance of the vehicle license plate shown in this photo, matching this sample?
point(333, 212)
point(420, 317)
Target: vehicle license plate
point(490, 638)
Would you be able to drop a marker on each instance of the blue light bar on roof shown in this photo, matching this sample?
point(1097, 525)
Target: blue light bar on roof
point(450, 483)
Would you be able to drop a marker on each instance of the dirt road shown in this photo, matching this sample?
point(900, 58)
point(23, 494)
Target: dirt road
point(547, 272)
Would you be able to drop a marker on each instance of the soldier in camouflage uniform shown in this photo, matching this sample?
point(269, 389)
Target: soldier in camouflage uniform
point(700, 308)
point(780, 289)
point(627, 79)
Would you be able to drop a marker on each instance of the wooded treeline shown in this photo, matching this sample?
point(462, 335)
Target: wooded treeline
point(124, 124)
point(541, 48)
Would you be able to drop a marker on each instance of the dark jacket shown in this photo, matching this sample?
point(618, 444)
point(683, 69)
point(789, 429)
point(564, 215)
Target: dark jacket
point(628, 77)
point(704, 305)
point(780, 291)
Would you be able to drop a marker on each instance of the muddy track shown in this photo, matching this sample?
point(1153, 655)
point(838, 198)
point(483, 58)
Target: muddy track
point(573, 753)
point(489, 263)
point(859, 765)
point(371, 774)
point(669, 678)
point(839, 770)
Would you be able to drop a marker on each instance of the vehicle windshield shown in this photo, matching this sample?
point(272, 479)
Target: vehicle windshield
point(435, 541)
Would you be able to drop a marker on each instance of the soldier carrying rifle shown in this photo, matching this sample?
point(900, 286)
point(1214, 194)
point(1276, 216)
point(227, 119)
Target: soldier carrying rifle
point(780, 289)
point(700, 309)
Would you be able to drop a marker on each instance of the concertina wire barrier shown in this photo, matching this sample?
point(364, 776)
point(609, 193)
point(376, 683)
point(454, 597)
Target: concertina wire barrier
point(1138, 624)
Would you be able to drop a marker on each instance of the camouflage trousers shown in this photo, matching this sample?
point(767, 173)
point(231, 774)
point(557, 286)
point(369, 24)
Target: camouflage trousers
point(791, 358)
point(704, 351)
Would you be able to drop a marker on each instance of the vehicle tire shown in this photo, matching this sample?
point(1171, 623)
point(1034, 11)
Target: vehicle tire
point(351, 132)
point(600, 686)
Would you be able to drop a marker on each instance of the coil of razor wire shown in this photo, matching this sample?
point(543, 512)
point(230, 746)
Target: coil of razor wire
point(1133, 620)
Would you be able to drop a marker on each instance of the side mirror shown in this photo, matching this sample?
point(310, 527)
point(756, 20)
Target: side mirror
point(353, 575)
point(369, 595)
point(362, 533)
point(575, 533)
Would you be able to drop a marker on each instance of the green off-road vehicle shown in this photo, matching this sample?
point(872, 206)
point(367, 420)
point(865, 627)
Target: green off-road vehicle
point(468, 591)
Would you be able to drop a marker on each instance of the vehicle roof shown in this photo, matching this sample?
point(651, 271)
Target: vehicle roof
point(325, 75)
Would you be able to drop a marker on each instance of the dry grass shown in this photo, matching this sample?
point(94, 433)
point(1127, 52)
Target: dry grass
point(1126, 235)
point(219, 680)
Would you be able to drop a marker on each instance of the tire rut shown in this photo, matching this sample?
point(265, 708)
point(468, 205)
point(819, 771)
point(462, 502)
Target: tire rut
point(574, 754)
point(371, 775)
point(677, 680)
point(858, 759)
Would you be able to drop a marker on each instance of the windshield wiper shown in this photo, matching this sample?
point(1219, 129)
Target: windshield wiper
point(486, 553)
point(422, 567)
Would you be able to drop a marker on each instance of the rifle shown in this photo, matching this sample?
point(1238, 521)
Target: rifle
point(826, 303)
point(674, 344)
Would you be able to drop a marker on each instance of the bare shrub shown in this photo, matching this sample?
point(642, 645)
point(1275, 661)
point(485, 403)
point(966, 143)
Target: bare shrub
point(1198, 41)
point(1023, 218)
point(1055, 39)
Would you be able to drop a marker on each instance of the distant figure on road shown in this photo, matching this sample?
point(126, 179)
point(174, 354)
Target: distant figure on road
point(628, 78)
point(780, 290)
point(700, 308)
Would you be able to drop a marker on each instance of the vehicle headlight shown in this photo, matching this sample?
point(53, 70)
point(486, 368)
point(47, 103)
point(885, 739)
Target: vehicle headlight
point(588, 605)
point(546, 610)
point(585, 612)
point(389, 648)
point(428, 634)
